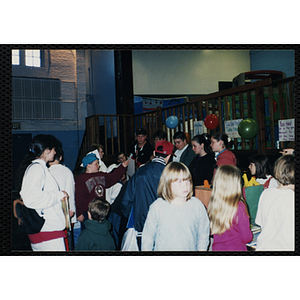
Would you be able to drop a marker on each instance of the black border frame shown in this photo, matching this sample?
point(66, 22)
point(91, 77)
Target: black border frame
point(6, 140)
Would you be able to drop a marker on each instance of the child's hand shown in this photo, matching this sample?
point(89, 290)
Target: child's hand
point(71, 213)
point(288, 151)
point(125, 163)
point(80, 218)
point(65, 197)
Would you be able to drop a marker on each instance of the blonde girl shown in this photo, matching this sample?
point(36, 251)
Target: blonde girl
point(227, 211)
point(176, 221)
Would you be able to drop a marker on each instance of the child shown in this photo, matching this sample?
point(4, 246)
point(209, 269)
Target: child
point(96, 235)
point(276, 211)
point(260, 167)
point(229, 219)
point(176, 221)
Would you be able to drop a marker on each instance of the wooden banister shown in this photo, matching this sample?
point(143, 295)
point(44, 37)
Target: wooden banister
point(246, 101)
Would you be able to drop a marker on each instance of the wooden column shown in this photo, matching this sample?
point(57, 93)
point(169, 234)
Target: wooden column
point(260, 115)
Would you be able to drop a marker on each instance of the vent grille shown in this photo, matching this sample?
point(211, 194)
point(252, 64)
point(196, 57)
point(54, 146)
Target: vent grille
point(36, 98)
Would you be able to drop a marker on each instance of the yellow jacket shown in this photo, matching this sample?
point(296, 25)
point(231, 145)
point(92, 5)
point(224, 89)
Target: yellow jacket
point(250, 182)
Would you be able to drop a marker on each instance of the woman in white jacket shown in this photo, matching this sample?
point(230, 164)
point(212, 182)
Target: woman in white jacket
point(41, 192)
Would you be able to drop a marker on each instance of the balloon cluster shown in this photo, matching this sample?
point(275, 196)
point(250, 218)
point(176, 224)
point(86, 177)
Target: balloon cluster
point(247, 129)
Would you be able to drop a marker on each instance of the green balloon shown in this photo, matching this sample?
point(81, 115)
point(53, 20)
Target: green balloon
point(248, 128)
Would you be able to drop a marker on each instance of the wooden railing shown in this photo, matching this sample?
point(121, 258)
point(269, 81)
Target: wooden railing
point(266, 101)
point(255, 100)
point(114, 132)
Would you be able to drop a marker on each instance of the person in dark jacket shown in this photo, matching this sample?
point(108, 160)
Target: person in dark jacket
point(96, 235)
point(141, 190)
point(202, 166)
point(184, 152)
point(142, 150)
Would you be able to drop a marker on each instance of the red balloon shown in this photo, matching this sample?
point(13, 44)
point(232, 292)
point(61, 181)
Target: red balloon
point(211, 121)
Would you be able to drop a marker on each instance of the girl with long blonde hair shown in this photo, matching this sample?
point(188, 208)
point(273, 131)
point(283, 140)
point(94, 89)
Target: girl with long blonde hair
point(176, 221)
point(227, 211)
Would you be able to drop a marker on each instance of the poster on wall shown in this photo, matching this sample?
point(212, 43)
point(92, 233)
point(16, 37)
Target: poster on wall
point(231, 128)
point(198, 127)
point(286, 130)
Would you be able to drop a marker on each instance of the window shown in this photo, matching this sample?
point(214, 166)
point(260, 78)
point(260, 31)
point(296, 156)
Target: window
point(28, 58)
point(36, 98)
point(33, 58)
point(15, 57)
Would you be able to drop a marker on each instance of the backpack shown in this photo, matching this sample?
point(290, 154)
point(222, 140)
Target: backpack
point(28, 218)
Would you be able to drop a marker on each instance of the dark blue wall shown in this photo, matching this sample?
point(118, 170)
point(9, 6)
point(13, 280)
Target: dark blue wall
point(104, 92)
point(71, 141)
point(279, 60)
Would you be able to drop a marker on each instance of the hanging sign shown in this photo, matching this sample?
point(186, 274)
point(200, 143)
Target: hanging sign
point(286, 130)
point(231, 128)
point(198, 127)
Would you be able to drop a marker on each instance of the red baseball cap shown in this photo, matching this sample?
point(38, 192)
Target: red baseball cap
point(164, 147)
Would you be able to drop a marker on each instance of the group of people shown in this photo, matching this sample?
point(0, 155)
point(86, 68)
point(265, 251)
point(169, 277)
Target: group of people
point(152, 193)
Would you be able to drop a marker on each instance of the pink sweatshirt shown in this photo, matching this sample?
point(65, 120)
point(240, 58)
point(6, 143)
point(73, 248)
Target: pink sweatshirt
point(236, 238)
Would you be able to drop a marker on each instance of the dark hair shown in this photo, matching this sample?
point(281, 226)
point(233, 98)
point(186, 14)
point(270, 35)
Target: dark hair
point(160, 134)
point(98, 209)
point(262, 165)
point(161, 155)
point(203, 138)
point(41, 142)
point(221, 136)
point(179, 135)
point(119, 153)
point(95, 147)
point(59, 153)
point(38, 145)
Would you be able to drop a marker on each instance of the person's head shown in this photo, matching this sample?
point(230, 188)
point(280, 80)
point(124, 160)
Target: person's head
point(260, 166)
point(141, 136)
point(179, 140)
point(201, 144)
point(98, 209)
point(159, 135)
point(121, 157)
point(91, 163)
point(98, 147)
point(43, 146)
point(219, 141)
point(225, 196)
point(59, 155)
point(284, 169)
point(175, 181)
point(163, 149)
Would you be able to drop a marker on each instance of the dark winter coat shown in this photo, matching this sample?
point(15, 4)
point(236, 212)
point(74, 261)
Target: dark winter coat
point(141, 191)
point(95, 237)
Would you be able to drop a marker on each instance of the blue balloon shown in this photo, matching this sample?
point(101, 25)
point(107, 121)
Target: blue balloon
point(172, 122)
